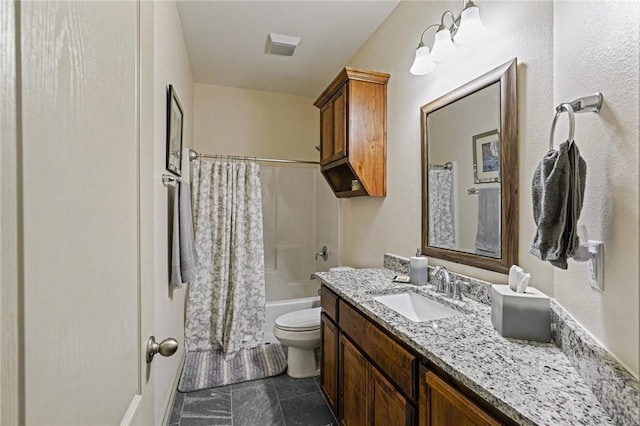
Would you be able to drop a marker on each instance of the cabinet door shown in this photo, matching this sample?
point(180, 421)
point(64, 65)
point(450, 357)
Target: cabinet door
point(388, 406)
point(444, 406)
point(333, 128)
point(326, 132)
point(340, 123)
point(354, 370)
point(329, 363)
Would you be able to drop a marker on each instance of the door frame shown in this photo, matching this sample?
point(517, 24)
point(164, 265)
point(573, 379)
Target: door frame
point(12, 410)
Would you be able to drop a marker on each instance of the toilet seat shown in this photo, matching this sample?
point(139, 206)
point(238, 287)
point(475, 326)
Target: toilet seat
point(302, 320)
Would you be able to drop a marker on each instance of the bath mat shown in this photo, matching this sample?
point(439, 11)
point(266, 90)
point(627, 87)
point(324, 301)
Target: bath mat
point(208, 369)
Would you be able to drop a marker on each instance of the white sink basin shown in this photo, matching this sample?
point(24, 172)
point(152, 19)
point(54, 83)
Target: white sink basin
point(416, 307)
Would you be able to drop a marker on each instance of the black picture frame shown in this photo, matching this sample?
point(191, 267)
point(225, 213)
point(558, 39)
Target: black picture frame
point(175, 124)
point(486, 157)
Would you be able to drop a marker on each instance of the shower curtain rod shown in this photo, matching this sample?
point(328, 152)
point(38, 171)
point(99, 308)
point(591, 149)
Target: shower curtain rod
point(194, 155)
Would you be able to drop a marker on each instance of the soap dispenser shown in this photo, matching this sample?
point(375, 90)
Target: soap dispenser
point(419, 269)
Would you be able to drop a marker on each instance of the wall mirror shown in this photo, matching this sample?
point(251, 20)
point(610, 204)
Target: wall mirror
point(470, 173)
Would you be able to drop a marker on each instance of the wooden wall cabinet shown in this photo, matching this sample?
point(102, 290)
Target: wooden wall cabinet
point(353, 133)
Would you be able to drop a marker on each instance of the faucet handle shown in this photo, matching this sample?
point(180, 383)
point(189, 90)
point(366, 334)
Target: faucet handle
point(458, 285)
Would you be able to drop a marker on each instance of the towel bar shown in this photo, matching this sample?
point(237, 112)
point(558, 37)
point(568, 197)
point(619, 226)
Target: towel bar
point(446, 166)
point(474, 191)
point(591, 103)
point(168, 179)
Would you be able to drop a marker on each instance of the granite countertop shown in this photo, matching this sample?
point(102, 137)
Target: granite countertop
point(532, 383)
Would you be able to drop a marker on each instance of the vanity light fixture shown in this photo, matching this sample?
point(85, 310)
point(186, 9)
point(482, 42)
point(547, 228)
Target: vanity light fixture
point(465, 29)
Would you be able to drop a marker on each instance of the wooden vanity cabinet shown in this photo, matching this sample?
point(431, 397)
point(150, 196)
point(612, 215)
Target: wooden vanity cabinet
point(369, 378)
point(353, 114)
point(329, 362)
point(329, 348)
point(442, 404)
point(367, 397)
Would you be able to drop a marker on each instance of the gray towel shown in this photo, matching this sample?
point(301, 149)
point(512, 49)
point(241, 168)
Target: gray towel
point(558, 192)
point(184, 258)
point(488, 235)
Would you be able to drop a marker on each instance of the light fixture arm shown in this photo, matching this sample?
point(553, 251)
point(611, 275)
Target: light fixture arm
point(453, 21)
point(424, 32)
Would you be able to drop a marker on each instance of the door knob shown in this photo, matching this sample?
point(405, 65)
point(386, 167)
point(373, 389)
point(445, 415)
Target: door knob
point(167, 347)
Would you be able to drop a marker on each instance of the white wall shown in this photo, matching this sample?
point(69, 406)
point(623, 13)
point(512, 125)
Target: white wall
point(605, 60)
point(172, 66)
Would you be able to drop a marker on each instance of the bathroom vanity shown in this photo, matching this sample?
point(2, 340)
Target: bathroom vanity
point(370, 378)
point(380, 368)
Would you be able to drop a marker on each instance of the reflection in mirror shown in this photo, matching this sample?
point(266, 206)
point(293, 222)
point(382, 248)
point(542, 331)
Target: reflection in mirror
point(462, 216)
point(470, 173)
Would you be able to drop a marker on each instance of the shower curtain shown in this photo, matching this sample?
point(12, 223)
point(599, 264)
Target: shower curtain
point(441, 228)
point(226, 303)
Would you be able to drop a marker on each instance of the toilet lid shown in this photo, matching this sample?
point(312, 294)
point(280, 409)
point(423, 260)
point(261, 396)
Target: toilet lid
point(302, 320)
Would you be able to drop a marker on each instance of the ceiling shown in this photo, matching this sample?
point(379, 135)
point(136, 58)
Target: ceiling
point(226, 41)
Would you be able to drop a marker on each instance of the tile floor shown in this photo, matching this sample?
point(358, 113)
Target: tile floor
point(279, 400)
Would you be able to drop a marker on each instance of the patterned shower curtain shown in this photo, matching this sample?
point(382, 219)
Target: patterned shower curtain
point(441, 226)
point(226, 303)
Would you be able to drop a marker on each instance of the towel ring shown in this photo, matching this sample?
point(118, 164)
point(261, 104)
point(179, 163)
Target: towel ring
point(572, 123)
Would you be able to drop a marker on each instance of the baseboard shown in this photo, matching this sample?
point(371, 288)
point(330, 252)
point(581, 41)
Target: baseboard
point(174, 389)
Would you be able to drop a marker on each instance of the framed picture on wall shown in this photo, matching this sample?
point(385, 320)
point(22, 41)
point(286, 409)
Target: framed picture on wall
point(175, 119)
point(486, 157)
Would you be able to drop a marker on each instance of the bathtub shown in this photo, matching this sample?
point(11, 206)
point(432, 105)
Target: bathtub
point(278, 307)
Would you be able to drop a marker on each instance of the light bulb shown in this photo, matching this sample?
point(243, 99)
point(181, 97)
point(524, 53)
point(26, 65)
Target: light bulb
point(443, 47)
point(422, 64)
point(471, 27)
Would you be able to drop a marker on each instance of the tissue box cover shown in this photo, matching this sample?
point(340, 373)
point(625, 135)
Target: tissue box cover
point(521, 315)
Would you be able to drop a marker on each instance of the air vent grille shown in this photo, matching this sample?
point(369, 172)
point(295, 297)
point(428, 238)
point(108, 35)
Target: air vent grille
point(278, 44)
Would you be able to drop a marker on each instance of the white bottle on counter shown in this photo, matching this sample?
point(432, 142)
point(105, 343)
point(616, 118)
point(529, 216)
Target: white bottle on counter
point(419, 269)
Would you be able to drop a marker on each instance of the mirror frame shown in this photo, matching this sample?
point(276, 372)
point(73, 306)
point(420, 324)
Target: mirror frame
point(506, 75)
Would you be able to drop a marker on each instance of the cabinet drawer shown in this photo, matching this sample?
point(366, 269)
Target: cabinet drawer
point(389, 356)
point(329, 303)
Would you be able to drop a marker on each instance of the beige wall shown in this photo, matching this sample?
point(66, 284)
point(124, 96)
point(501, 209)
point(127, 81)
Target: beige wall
point(517, 29)
point(524, 30)
point(607, 61)
point(236, 121)
point(172, 66)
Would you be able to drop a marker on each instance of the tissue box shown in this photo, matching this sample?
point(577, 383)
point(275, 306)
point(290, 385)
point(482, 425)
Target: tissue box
point(521, 315)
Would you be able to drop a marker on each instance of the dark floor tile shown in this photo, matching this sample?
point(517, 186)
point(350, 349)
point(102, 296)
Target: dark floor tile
point(216, 406)
point(288, 387)
point(307, 410)
point(176, 409)
point(204, 421)
point(317, 380)
point(256, 406)
point(249, 384)
point(205, 393)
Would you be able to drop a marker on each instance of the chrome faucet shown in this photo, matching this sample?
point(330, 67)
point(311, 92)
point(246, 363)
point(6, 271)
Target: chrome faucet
point(443, 278)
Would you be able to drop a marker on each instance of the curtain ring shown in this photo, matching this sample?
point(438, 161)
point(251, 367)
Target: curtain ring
point(572, 123)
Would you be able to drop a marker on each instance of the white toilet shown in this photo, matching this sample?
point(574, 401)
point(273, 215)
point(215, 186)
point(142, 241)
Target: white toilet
point(300, 332)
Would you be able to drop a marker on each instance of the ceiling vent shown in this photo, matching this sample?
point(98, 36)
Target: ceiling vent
point(278, 44)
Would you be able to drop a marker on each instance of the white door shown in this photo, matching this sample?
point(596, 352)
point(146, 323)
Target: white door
point(73, 234)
